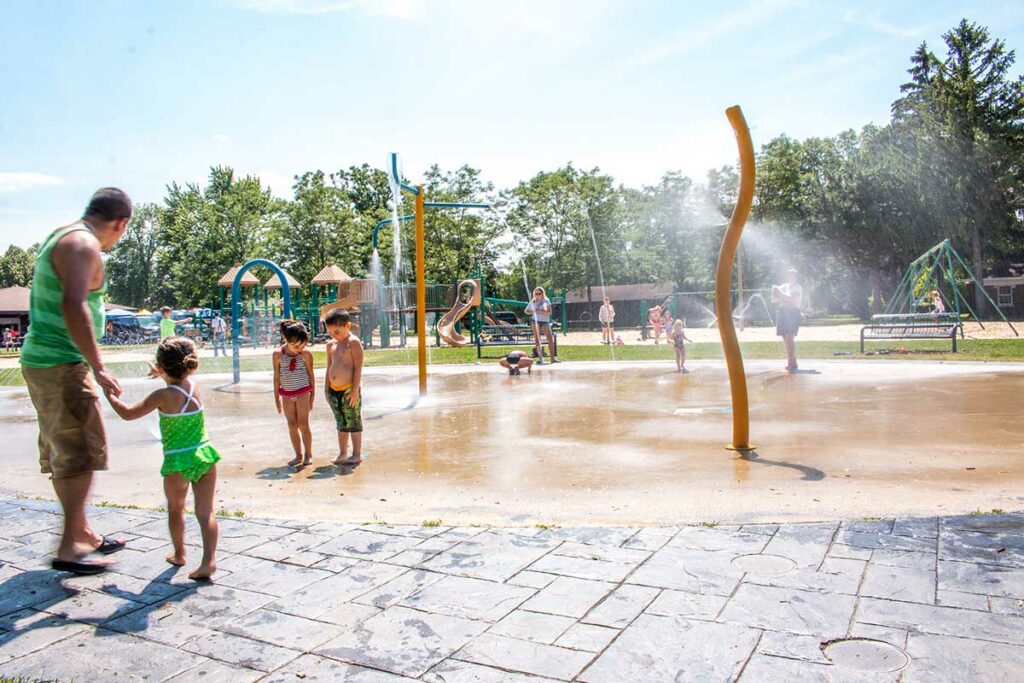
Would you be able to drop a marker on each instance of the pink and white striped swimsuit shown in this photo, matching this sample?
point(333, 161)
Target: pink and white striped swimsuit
point(294, 376)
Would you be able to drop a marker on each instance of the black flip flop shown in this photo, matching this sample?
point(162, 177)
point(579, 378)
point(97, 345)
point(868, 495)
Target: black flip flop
point(79, 568)
point(108, 546)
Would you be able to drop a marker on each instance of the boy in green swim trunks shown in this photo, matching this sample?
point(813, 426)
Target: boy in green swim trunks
point(343, 385)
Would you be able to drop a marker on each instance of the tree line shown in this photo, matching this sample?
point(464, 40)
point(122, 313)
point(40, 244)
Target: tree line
point(849, 211)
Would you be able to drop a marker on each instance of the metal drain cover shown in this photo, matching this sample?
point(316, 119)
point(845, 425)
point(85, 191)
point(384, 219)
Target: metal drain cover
point(765, 565)
point(863, 654)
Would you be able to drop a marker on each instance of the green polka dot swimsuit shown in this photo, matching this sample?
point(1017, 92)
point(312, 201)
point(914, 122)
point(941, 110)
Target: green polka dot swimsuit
point(187, 448)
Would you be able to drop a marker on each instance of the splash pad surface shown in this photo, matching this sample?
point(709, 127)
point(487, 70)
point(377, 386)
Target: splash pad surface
point(597, 443)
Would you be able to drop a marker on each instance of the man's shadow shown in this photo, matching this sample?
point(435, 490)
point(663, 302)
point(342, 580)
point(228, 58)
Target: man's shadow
point(50, 583)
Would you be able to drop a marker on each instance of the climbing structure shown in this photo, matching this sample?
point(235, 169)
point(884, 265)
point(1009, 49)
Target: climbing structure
point(942, 270)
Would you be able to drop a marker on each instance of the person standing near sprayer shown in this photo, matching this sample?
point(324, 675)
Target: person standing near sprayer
point(219, 333)
point(606, 316)
point(539, 309)
point(789, 296)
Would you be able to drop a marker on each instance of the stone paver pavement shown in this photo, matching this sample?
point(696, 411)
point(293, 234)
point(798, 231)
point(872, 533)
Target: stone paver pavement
point(297, 601)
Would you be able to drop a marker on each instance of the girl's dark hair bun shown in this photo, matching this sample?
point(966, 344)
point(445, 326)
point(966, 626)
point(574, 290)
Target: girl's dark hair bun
point(293, 331)
point(177, 356)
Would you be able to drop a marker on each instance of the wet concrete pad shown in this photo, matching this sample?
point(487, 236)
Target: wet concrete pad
point(27, 631)
point(314, 669)
point(492, 555)
point(323, 596)
point(254, 654)
point(568, 596)
point(690, 570)
point(403, 641)
point(459, 596)
point(524, 656)
point(1006, 582)
point(367, 545)
point(948, 621)
point(794, 611)
point(673, 649)
point(285, 630)
point(938, 658)
point(87, 657)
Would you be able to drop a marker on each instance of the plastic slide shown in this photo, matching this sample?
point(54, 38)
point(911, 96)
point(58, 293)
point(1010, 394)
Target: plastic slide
point(446, 325)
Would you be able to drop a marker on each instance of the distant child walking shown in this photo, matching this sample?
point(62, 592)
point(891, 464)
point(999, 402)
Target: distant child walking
point(606, 316)
point(654, 317)
point(189, 458)
point(344, 385)
point(294, 388)
point(678, 337)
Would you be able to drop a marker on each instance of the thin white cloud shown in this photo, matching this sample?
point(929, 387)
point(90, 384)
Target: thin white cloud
point(877, 25)
point(220, 137)
point(698, 37)
point(409, 10)
point(16, 182)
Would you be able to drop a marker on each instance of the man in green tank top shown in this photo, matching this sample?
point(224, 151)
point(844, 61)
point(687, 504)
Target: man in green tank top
point(66, 319)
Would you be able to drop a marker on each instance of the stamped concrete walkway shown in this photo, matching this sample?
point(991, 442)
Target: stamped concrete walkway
point(921, 599)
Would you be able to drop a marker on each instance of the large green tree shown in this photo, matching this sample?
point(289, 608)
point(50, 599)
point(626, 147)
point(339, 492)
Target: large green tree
point(207, 230)
point(131, 269)
point(969, 110)
point(16, 266)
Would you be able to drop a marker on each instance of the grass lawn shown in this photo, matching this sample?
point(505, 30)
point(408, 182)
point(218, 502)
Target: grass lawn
point(969, 350)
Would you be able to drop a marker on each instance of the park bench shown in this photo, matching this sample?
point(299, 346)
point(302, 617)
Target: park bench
point(912, 326)
point(509, 335)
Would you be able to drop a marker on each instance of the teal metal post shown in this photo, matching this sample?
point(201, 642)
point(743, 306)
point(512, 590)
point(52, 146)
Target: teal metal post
point(236, 310)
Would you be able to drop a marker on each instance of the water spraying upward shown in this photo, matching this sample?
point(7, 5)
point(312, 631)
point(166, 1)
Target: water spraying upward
point(600, 271)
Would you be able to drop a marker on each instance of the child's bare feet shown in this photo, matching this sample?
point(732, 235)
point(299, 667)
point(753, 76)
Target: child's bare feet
point(342, 457)
point(296, 461)
point(178, 560)
point(203, 572)
point(308, 460)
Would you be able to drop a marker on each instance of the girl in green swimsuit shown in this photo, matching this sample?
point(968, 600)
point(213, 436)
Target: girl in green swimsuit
point(188, 456)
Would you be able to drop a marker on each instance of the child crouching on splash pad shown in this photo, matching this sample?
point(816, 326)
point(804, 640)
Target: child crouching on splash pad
point(344, 385)
point(293, 382)
point(516, 361)
point(189, 458)
point(678, 337)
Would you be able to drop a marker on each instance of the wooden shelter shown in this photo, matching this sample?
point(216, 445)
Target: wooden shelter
point(228, 278)
point(275, 282)
point(331, 275)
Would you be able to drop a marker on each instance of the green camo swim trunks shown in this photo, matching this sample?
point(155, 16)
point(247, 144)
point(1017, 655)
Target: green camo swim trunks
point(346, 417)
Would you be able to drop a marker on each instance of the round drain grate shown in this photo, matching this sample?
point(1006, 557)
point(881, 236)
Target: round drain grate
point(765, 565)
point(862, 654)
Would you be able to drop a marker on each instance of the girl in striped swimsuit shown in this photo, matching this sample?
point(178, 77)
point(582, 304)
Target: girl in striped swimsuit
point(294, 383)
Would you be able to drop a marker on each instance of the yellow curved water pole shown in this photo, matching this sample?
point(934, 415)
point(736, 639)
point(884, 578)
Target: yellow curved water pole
point(723, 284)
point(421, 294)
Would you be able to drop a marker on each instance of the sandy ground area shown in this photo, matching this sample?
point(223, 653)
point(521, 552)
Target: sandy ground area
point(593, 443)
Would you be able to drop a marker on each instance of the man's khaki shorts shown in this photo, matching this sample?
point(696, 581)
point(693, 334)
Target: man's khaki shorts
point(71, 435)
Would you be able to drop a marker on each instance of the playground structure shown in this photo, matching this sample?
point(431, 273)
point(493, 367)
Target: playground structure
point(942, 270)
point(930, 301)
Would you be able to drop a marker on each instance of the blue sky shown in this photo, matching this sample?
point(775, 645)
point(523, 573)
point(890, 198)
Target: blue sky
point(140, 94)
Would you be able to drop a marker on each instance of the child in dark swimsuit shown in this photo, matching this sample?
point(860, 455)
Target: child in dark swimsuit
point(294, 383)
point(516, 361)
point(678, 337)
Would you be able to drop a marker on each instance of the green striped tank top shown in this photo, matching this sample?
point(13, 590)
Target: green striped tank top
point(48, 343)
